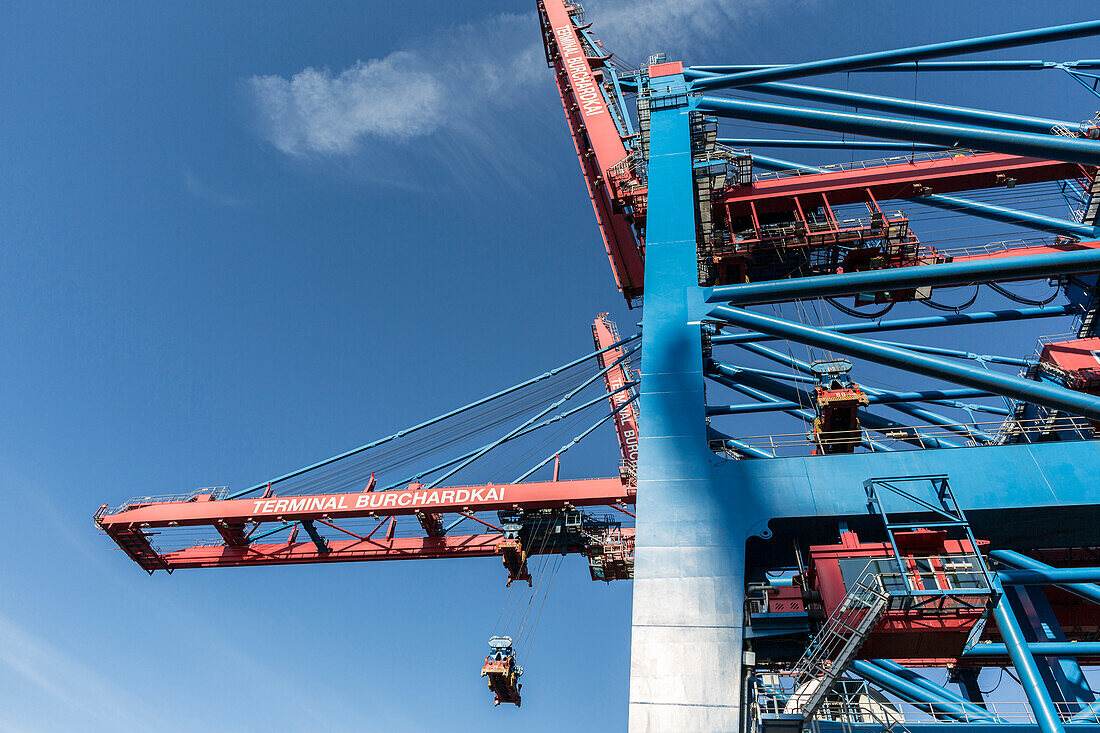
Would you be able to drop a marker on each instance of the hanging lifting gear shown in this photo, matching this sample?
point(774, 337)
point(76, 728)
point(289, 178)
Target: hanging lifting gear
point(503, 672)
point(837, 399)
point(513, 555)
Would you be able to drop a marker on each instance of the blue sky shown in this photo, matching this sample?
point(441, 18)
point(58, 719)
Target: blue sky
point(238, 237)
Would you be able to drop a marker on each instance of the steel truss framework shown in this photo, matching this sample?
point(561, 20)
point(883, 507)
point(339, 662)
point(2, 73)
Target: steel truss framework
point(702, 239)
point(698, 551)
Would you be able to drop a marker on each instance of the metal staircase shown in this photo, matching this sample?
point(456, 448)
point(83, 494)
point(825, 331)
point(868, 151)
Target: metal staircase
point(836, 645)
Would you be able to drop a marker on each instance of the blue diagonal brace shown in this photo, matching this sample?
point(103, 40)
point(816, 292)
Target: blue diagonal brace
point(1011, 142)
point(311, 530)
point(1025, 390)
point(898, 55)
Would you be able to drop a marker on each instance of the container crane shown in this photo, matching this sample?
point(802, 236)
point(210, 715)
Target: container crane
point(792, 580)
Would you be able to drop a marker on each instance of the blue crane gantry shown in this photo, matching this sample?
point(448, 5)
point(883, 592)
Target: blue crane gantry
point(798, 580)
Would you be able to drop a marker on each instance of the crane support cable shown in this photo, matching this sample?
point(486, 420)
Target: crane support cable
point(542, 413)
point(575, 440)
point(434, 420)
point(525, 431)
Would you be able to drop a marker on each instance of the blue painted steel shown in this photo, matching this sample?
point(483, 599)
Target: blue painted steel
point(1023, 65)
point(1038, 649)
point(270, 532)
point(913, 53)
point(773, 391)
point(1013, 559)
point(947, 113)
point(779, 164)
point(438, 418)
point(872, 281)
point(1053, 147)
point(1046, 716)
point(1050, 576)
point(941, 351)
point(752, 142)
point(318, 540)
point(1025, 390)
point(806, 416)
point(1092, 88)
point(902, 324)
point(745, 448)
point(909, 691)
point(870, 419)
point(1006, 215)
point(773, 375)
point(924, 683)
point(1063, 675)
point(689, 557)
point(874, 399)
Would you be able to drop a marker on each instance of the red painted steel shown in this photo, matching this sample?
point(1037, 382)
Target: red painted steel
point(1067, 245)
point(333, 507)
point(666, 69)
point(127, 526)
point(595, 136)
point(897, 181)
point(940, 632)
point(604, 334)
point(282, 553)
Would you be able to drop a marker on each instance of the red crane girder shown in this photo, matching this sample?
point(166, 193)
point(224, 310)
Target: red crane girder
point(898, 181)
point(596, 138)
point(605, 334)
point(127, 525)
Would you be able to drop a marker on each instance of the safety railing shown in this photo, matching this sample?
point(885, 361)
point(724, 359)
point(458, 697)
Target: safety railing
point(859, 164)
point(933, 584)
point(214, 492)
point(991, 248)
point(854, 702)
point(913, 438)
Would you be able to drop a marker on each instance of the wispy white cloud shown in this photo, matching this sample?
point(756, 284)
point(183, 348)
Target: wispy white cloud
point(441, 83)
point(458, 84)
point(637, 28)
point(393, 98)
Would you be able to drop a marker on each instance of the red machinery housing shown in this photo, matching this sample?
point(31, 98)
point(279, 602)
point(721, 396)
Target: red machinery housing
point(1076, 363)
point(919, 631)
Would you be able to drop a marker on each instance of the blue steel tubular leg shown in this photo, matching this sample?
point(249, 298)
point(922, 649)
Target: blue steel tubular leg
point(933, 418)
point(1046, 716)
point(967, 680)
point(1003, 384)
point(975, 711)
point(685, 658)
point(919, 695)
point(761, 142)
point(947, 113)
point(1088, 591)
point(772, 391)
point(904, 324)
point(1052, 147)
point(899, 55)
point(1065, 681)
point(694, 72)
